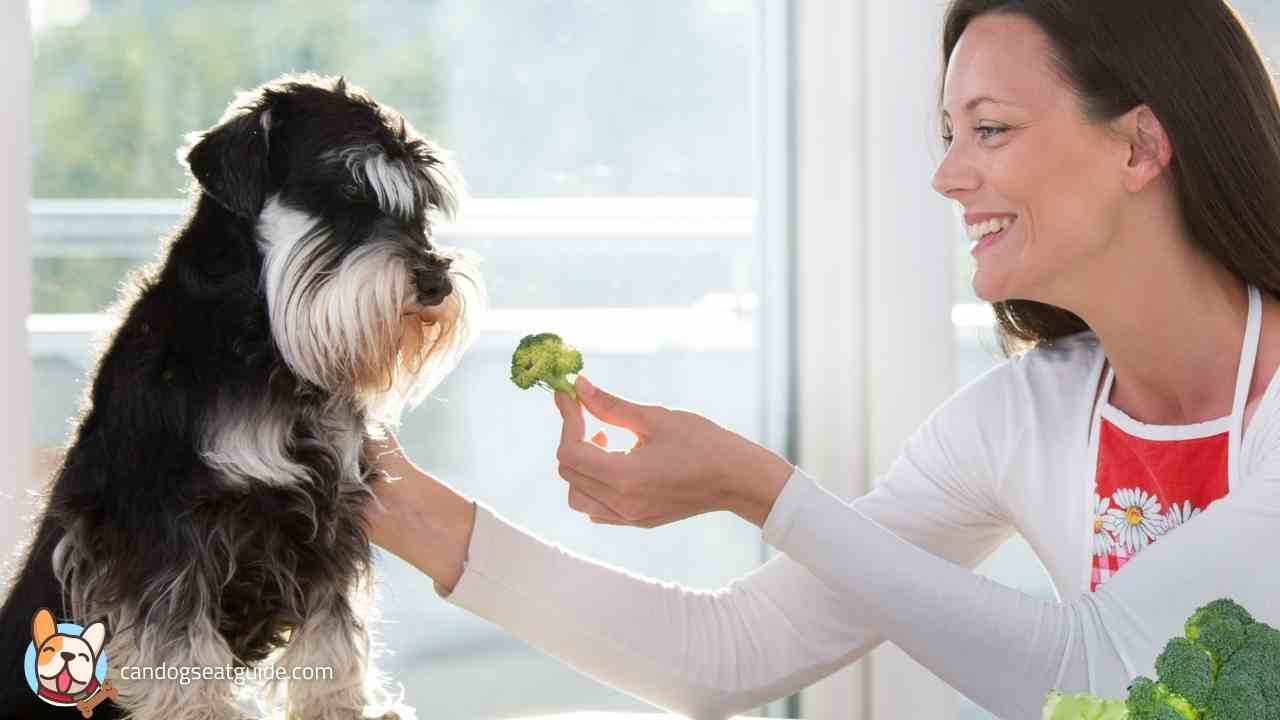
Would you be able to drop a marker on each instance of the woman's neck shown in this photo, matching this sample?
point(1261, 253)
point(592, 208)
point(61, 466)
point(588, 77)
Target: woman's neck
point(1172, 326)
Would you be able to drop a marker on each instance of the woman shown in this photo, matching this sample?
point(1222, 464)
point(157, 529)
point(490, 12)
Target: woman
point(1133, 151)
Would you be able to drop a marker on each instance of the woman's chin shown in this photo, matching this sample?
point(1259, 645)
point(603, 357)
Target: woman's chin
point(983, 289)
point(990, 289)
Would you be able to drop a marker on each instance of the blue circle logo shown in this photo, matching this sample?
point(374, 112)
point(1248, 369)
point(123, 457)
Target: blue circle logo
point(66, 663)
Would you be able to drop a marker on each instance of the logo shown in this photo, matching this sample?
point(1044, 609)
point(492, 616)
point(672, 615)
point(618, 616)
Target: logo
point(66, 664)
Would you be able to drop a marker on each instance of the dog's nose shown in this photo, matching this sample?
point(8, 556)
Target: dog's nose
point(433, 289)
point(67, 656)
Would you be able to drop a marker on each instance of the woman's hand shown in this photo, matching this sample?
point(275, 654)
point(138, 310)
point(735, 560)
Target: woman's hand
point(415, 516)
point(681, 465)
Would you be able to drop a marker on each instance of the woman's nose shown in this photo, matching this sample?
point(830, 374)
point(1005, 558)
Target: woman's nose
point(954, 176)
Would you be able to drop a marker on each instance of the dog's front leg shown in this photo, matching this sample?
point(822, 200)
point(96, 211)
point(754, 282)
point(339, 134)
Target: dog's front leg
point(176, 651)
point(332, 648)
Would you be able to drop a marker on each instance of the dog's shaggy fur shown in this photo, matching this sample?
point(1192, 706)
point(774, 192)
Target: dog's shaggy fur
point(209, 506)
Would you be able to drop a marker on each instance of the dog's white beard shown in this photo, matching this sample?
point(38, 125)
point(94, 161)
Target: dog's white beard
point(343, 328)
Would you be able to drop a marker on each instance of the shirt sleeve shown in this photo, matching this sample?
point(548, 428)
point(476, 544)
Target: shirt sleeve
point(711, 654)
point(1005, 649)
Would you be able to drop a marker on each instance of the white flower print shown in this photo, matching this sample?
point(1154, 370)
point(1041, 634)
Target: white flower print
point(1104, 542)
point(1179, 515)
point(1137, 518)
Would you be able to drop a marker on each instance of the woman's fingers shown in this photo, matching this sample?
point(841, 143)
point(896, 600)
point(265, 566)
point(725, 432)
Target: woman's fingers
point(591, 507)
point(600, 439)
point(614, 410)
point(575, 426)
point(574, 451)
point(595, 489)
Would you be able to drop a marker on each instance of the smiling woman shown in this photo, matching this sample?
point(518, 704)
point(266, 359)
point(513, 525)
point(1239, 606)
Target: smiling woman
point(1042, 140)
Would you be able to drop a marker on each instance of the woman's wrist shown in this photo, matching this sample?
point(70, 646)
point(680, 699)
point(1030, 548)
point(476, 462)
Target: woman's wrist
point(423, 521)
point(754, 480)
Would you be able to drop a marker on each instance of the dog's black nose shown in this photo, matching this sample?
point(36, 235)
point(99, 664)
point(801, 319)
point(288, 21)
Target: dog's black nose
point(433, 289)
point(67, 656)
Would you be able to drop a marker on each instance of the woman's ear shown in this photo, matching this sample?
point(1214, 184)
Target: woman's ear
point(1150, 150)
point(229, 160)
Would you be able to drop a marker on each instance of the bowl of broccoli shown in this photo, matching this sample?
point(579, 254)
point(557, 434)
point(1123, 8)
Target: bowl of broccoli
point(1227, 667)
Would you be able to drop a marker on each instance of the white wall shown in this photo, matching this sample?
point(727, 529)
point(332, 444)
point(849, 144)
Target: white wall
point(15, 270)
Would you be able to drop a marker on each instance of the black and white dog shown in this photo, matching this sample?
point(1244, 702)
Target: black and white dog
point(209, 506)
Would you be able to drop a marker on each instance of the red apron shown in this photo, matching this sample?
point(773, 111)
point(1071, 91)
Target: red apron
point(1150, 479)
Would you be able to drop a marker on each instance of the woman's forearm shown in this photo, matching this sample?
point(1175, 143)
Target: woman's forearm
point(424, 522)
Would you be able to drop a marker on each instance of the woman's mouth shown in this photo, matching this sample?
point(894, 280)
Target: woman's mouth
point(985, 234)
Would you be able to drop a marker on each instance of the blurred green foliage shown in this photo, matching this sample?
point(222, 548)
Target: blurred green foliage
point(115, 93)
point(535, 97)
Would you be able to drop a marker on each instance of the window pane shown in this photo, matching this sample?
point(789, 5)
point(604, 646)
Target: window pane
point(610, 148)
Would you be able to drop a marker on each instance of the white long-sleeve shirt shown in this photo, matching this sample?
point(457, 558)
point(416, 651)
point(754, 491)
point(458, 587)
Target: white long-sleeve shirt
point(1007, 453)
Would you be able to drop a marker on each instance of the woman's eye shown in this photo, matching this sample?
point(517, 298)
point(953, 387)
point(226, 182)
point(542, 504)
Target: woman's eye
point(985, 132)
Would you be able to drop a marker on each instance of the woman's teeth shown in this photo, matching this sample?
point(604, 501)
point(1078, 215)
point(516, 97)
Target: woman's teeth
point(993, 225)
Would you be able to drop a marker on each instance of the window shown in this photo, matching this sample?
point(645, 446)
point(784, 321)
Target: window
point(612, 150)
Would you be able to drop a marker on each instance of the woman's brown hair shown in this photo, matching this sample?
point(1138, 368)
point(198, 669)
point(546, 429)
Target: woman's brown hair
point(1196, 66)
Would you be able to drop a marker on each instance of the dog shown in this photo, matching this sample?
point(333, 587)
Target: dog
point(65, 664)
point(210, 503)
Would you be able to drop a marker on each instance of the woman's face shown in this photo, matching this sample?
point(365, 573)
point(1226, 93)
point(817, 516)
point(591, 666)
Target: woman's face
point(1026, 153)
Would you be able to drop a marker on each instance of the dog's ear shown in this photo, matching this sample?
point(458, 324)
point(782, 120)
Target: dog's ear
point(43, 627)
point(96, 636)
point(230, 160)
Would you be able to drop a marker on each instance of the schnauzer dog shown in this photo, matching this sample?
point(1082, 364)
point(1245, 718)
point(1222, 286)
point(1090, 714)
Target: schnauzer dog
point(209, 507)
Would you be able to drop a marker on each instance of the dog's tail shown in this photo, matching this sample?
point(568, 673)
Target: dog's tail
point(34, 586)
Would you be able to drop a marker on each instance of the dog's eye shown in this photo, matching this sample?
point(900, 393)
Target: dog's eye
point(86, 657)
point(46, 650)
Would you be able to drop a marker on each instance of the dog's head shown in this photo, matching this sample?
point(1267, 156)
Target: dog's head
point(65, 663)
point(342, 192)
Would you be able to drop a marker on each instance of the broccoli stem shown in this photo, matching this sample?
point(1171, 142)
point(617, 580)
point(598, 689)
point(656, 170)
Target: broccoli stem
point(564, 385)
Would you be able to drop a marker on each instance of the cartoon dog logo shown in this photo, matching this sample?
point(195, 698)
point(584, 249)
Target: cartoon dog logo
point(68, 661)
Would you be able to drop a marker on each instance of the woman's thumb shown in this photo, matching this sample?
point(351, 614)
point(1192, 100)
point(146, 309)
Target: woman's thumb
point(610, 408)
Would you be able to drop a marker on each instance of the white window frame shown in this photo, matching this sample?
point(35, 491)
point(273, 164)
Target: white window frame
point(15, 272)
point(875, 347)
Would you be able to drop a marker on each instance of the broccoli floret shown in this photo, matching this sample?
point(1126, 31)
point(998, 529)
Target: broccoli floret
point(1248, 685)
point(1187, 669)
point(1219, 626)
point(1082, 706)
point(545, 360)
point(1226, 668)
point(1151, 700)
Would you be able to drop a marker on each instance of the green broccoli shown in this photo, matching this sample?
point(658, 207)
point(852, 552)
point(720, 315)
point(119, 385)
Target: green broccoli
point(1187, 669)
point(1248, 684)
point(1083, 706)
point(1226, 668)
point(545, 360)
point(1151, 700)
point(1219, 627)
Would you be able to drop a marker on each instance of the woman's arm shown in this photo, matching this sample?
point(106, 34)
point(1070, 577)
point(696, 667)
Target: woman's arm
point(421, 520)
point(706, 654)
point(1005, 649)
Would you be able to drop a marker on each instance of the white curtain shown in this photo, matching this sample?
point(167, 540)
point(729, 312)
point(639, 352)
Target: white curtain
point(15, 272)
